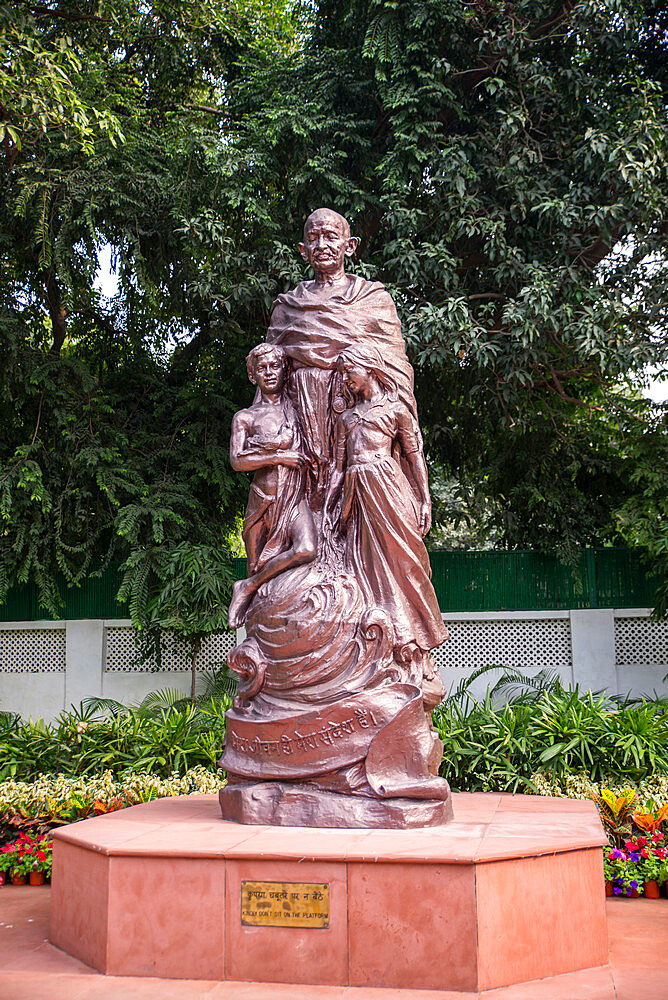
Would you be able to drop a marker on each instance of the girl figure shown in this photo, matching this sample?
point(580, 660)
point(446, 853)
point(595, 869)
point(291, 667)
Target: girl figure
point(382, 517)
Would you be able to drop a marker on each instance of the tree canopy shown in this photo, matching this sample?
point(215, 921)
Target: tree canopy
point(503, 163)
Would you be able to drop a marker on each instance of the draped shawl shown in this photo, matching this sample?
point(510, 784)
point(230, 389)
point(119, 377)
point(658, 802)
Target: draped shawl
point(314, 331)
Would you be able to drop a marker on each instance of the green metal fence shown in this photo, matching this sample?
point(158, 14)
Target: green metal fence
point(464, 581)
point(517, 581)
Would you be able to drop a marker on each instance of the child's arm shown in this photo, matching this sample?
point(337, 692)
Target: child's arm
point(415, 457)
point(248, 460)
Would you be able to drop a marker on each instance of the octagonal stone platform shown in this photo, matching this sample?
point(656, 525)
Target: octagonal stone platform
point(510, 891)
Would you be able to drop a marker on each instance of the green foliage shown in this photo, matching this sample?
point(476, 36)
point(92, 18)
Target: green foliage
point(505, 167)
point(548, 728)
point(545, 738)
point(558, 481)
point(115, 429)
point(190, 602)
point(47, 802)
point(158, 739)
point(643, 517)
point(579, 785)
point(45, 86)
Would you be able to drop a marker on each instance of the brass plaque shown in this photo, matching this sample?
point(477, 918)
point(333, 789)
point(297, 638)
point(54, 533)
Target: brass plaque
point(285, 904)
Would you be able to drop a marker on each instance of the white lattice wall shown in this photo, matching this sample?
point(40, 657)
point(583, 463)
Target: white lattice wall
point(121, 653)
point(621, 652)
point(32, 650)
point(640, 642)
point(518, 642)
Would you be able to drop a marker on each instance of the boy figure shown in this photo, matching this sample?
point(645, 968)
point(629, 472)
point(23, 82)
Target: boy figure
point(278, 532)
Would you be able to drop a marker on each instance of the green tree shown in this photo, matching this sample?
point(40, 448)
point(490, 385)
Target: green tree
point(191, 602)
point(643, 517)
point(504, 164)
point(116, 412)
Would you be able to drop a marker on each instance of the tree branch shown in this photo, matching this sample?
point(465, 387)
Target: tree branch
point(558, 16)
point(41, 10)
point(98, 318)
point(57, 314)
point(205, 107)
point(597, 251)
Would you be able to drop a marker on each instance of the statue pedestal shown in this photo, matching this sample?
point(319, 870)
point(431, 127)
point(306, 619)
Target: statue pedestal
point(511, 890)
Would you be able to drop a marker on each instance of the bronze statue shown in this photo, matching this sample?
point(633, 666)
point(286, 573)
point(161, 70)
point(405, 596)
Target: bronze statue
point(332, 726)
point(278, 530)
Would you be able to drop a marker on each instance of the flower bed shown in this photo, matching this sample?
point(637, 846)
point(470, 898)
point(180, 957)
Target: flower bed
point(38, 806)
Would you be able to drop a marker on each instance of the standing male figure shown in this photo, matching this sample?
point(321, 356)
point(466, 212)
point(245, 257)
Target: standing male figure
point(320, 319)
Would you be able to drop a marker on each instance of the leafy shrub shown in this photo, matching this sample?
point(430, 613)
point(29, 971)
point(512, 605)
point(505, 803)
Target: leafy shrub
point(163, 735)
point(543, 737)
point(579, 785)
point(549, 729)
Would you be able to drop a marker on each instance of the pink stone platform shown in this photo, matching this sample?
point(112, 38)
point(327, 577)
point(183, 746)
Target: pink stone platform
point(510, 891)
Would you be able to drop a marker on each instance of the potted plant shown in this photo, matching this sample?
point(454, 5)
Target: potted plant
point(38, 855)
point(622, 870)
point(28, 858)
point(652, 855)
point(11, 864)
point(616, 812)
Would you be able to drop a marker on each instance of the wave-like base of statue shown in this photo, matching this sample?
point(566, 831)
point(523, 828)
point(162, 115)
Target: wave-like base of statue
point(328, 728)
point(332, 724)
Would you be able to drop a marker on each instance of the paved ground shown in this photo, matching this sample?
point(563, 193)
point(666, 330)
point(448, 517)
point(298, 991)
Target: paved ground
point(31, 969)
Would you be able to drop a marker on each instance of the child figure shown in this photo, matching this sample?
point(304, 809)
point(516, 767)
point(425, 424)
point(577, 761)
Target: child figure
point(278, 531)
point(381, 516)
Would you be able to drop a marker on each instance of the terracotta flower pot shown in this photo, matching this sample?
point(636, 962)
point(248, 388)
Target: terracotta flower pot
point(37, 878)
point(635, 894)
point(652, 889)
point(18, 879)
point(609, 887)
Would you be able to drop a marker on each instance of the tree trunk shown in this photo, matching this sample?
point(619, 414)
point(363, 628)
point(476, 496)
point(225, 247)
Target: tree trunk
point(57, 314)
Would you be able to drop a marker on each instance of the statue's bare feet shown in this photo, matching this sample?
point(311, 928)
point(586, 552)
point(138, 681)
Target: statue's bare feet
point(242, 594)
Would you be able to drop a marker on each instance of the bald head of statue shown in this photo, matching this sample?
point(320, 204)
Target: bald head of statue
point(327, 243)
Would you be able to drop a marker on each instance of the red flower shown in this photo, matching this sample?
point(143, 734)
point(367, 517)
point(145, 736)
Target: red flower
point(644, 852)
